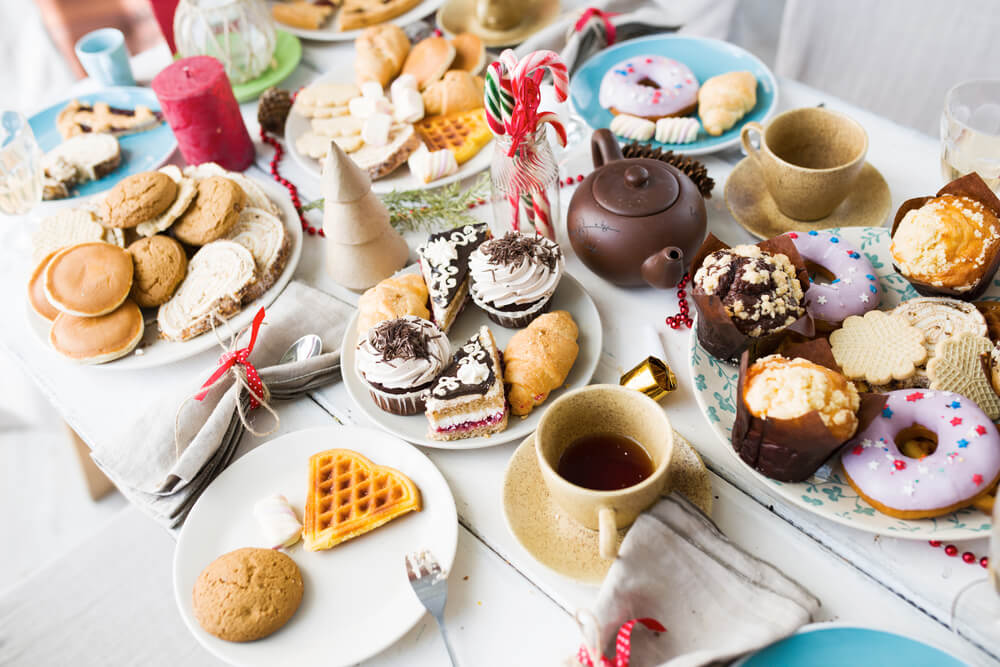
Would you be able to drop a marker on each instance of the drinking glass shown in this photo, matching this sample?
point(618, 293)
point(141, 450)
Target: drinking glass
point(970, 131)
point(975, 612)
point(20, 165)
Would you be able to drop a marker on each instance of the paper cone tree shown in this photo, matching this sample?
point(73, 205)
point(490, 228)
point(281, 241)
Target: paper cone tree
point(362, 248)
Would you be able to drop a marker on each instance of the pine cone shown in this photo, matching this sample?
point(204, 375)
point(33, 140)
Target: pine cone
point(695, 170)
point(272, 110)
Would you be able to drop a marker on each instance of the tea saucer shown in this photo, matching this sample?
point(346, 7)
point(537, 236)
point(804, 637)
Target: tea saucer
point(753, 207)
point(560, 543)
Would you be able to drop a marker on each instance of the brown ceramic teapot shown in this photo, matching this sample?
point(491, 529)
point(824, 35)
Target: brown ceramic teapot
point(635, 221)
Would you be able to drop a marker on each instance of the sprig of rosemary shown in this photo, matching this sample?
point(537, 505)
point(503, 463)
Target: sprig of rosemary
point(430, 210)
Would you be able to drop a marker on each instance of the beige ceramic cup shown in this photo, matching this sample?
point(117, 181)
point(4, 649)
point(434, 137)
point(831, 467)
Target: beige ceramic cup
point(500, 14)
point(604, 408)
point(809, 158)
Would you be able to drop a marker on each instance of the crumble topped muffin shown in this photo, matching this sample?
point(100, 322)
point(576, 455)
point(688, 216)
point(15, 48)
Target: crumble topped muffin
point(760, 291)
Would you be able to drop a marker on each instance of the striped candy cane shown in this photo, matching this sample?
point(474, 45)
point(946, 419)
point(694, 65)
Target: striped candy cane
point(553, 120)
point(498, 98)
point(541, 60)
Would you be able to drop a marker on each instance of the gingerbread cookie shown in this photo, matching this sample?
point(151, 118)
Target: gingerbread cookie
point(88, 279)
point(957, 366)
point(215, 210)
point(186, 191)
point(878, 348)
point(160, 266)
point(138, 198)
point(247, 594)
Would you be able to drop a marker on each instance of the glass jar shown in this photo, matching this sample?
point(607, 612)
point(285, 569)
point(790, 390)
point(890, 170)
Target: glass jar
point(239, 33)
point(20, 165)
point(525, 186)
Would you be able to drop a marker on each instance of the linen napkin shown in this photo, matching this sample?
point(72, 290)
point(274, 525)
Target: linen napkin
point(717, 601)
point(634, 18)
point(164, 475)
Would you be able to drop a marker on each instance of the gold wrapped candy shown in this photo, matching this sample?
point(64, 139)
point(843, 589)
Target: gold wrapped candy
point(652, 377)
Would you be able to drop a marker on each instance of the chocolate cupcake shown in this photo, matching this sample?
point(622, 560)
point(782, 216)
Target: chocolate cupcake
point(514, 277)
point(400, 359)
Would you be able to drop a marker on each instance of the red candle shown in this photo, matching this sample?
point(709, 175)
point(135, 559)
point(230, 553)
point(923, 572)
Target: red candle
point(197, 101)
point(164, 10)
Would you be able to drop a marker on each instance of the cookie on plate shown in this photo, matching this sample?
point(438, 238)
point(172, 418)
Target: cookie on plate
point(878, 348)
point(958, 366)
point(214, 212)
point(247, 594)
point(68, 227)
point(160, 265)
point(137, 199)
point(186, 192)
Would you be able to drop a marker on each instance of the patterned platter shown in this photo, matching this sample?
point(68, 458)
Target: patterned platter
point(830, 496)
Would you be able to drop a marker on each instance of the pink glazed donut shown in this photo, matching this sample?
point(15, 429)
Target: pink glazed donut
point(964, 466)
point(649, 87)
point(855, 289)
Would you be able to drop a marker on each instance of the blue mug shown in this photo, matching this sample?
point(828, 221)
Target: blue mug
point(103, 54)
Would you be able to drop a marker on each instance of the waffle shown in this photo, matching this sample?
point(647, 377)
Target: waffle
point(463, 133)
point(349, 496)
point(958, 366)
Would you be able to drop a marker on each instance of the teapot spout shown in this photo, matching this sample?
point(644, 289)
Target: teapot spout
point(665, 268)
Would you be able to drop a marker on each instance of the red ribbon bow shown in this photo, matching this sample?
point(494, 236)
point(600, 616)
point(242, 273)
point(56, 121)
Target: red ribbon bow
point(591, 12)
point(623, 644)
point(242, 358)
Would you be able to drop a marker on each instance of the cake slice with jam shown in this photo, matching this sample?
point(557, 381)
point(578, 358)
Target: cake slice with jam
point(444, 263)
point(467, 400)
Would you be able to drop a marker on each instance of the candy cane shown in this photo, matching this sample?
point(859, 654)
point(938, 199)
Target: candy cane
point(553, 120)
point(543, 215)
point(498, 98)
point(542, 60)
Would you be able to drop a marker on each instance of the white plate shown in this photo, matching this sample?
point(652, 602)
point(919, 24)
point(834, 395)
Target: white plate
point(570, 296)
point(400, 179)
point(331, 34)
point(357, 598)
point(157, 352)
point(833, 498)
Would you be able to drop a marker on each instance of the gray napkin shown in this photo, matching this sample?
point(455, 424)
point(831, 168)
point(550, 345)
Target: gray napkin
point(717, 601)
point(163, 476)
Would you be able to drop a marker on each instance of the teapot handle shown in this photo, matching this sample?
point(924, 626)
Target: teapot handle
point(604, 148)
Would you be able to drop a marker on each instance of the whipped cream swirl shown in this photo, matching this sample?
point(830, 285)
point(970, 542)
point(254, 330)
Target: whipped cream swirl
point(525, 275)
point(404, 353)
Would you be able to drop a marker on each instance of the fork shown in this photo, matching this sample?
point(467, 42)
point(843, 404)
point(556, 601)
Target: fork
point(431, 586)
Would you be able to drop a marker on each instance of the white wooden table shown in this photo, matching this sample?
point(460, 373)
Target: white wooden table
point(504, 607)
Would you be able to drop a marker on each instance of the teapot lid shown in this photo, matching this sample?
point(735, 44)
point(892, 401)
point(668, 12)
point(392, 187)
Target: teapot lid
point(636, 187)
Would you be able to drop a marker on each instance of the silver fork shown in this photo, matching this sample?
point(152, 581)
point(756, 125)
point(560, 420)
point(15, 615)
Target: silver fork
point(431, 586)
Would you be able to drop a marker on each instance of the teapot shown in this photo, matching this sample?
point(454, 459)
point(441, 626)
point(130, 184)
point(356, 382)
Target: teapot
point(635, 221)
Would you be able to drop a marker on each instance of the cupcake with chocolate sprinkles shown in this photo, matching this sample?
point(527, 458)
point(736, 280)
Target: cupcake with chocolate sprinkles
point(514, 277)
point(400, 359)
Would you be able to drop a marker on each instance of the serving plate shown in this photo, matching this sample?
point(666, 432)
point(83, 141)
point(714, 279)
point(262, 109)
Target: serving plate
point(832, 497)
point(329, 33)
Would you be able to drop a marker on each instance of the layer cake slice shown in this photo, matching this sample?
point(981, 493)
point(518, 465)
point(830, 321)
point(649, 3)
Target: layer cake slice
point(444, 263)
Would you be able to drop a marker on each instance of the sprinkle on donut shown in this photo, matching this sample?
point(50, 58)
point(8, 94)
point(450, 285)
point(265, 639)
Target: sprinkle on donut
point(649, 86)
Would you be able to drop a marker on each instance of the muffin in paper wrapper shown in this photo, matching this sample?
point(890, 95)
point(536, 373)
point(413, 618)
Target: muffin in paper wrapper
point(716, 331)
point(791, 450)
point(972, 186)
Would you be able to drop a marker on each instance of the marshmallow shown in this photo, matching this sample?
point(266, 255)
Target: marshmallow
point(277, 521)
point(402, 82)
point(372, 90)
point(375, 131)
point(430, 166)
point(409, 105)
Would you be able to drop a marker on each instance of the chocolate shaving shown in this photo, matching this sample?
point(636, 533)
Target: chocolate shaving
point(400, 339)
point(513, 248)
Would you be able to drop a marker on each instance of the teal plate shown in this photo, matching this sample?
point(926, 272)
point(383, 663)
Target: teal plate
point(823, 646)
point(706, 58)
point(142, 151)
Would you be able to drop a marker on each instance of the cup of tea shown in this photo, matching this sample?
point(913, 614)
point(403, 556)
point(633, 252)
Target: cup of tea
point(809, 159)
point(604, 451)
point(103, 54)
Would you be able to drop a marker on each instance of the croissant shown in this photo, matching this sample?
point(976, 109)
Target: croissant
point(724, 99)
point(538, 359)
point(381, 52)
point(405, 294)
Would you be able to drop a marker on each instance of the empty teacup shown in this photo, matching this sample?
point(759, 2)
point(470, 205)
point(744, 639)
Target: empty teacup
point(103, 54)
point(809, 158)
point(604, 451)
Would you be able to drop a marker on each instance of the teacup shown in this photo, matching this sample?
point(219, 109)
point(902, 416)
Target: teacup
point(604, 409)
point(809, 159)
point(500, 14)
point(104, 55)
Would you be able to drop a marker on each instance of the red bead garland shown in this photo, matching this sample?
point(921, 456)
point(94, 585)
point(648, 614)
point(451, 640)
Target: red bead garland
point(968, 557)
point(292, 190)
point(681, 320)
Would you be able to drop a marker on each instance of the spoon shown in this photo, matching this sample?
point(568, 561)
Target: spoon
point(304, 348)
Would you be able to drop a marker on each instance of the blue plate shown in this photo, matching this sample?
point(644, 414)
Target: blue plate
point(142, 151)
point(821, 645)
point(705, 57)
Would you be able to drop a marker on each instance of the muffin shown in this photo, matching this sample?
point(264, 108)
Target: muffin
point(950, 242)
point(400, 359)
point(514, 277)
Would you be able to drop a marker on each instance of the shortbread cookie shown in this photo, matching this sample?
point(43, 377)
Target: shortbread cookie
point(70, 227)
point(96, 340)
point(247, 594)
point(342, 126)
point(159, 267)
point(317, 146)
point(138, 198)
point(324, 96)
point(89, 279)
point(878, 348)
point(216, 208)
point(256, 197)
point(267, 239)
point(939, 318)
point(186, 191)
point(36, 291)
point(958, 366)
point(218, 278)
point(81, 118)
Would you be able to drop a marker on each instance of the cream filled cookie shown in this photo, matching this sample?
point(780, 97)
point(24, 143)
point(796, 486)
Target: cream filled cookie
point(88, 279)
point(96, 340)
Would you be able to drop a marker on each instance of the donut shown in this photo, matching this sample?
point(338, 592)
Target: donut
point(854, 289)
point(650, 87)
point(964, 466)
